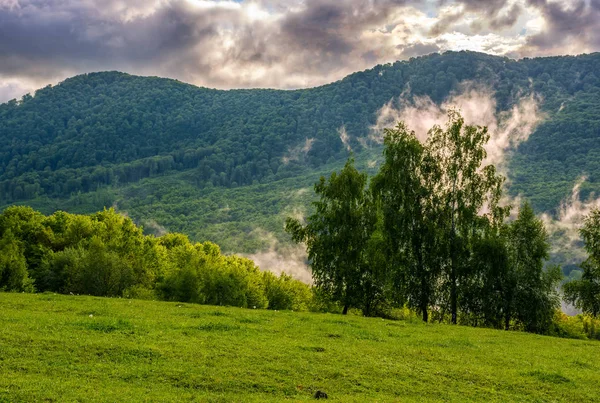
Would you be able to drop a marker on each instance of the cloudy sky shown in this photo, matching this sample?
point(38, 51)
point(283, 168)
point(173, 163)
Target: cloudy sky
point(269, 43)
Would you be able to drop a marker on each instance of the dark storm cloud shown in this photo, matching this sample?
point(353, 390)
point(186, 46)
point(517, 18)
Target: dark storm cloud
point(192, 40)
point(327, 25)
point(327, 32)
point(45, 38)
point(575, 24)
point(496, 14)
point(262, 43)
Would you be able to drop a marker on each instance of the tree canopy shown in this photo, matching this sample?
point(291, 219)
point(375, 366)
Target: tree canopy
point(106, 254)
point(429, 232)
point(584, 293)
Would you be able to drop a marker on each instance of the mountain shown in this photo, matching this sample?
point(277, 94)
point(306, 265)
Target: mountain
point(227, 166)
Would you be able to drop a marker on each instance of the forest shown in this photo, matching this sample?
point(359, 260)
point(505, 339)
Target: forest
point(109, 129)
point(427, 235)
point(428, 230)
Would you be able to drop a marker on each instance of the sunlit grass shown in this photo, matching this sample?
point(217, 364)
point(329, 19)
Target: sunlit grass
point(75, 348)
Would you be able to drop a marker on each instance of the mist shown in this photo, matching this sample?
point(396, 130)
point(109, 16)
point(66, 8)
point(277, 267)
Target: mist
point(564, 228)
point(478, 106)
point(282, 258)
point(299, 152)
point(344, 137)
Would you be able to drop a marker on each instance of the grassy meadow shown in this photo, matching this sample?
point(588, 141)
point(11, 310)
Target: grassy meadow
point(77, 348)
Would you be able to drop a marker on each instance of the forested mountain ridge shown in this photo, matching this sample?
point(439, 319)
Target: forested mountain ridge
point(101, 133)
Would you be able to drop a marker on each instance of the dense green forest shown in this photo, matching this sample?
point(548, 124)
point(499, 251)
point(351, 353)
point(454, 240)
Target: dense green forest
point(426, 234)
point(217, 165)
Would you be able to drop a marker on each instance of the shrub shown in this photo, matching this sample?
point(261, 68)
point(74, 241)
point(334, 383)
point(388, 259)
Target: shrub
point(284, 292)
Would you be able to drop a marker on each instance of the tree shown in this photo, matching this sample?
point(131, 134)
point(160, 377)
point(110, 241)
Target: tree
point(336, 236)
point(404, 187)
point(488, 292)
point(585, 292)
point(13, 266)
point(535, 296)
point(377, 295)
point(461, 191)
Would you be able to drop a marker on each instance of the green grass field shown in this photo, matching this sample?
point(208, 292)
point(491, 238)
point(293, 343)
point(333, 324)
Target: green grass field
point(74, 348)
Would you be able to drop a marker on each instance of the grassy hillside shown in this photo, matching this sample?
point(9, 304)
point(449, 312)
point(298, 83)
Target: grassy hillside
point(74, 348)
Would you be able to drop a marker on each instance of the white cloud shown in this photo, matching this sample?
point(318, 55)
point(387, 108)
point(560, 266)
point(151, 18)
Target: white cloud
point(13, 89)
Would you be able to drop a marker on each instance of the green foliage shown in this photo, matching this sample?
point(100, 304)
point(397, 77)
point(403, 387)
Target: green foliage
point(429, 232)
point(403, 187)
point(106, 254)
point(488, 294)
point(337, 236)
point(285, 293)
point(584, 292)
point(575, 327)
point(460, 190)
point(13, 267)
point(535, 294)
point(218, 164)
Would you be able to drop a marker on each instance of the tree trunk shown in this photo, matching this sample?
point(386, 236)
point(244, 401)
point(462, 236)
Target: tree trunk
point(507, 311)
point(367, 309)
point(453, 297)
point(424, 291)
point(453, 304)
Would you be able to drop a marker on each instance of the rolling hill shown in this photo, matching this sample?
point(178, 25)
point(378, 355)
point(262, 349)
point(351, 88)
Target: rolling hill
point(73, 348)
point(227, 166)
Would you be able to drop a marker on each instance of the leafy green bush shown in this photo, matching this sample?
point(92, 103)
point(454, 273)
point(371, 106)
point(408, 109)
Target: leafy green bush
point(284, 292)
point(575, 327)
point(13, 266)
point(106, 254)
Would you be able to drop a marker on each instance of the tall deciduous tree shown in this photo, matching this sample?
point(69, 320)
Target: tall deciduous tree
point(404, 188)
point(585, 292)
point(488, 292)
point(336, 236)
point(535, 295)
point(463, 189)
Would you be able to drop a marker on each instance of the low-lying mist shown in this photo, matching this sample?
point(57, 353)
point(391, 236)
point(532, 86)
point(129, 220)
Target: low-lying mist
point(282, 258)
point(564, 227)
point(478, 106)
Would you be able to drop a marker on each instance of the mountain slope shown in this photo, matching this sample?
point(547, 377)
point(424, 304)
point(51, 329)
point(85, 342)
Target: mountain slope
point(155, 147)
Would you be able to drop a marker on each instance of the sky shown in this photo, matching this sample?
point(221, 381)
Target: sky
point(275, 44)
